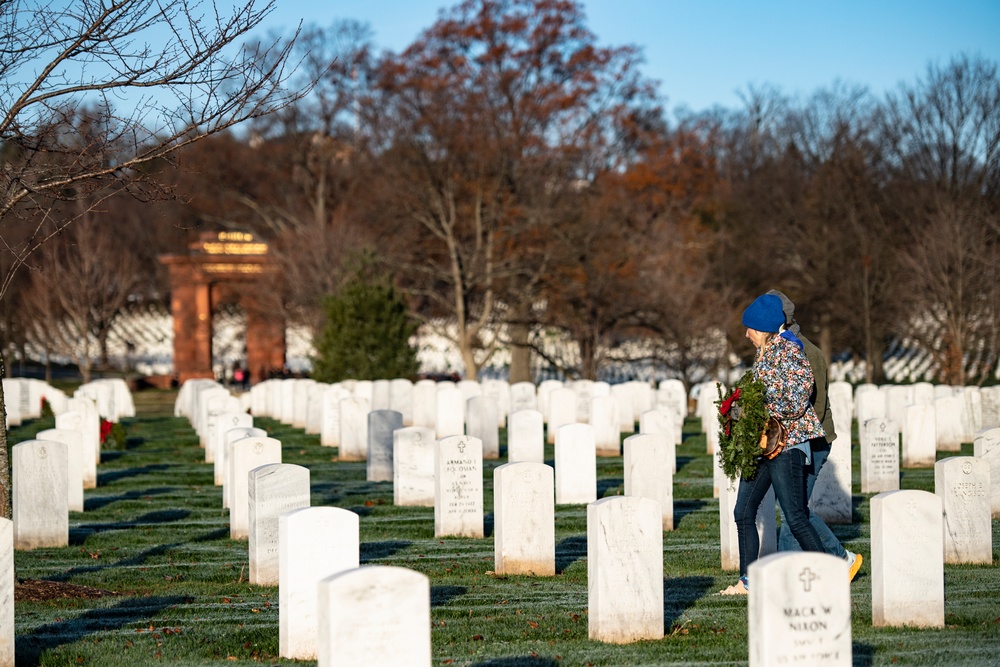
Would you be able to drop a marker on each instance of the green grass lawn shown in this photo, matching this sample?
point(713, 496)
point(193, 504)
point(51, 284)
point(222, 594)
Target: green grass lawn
point(155, 533)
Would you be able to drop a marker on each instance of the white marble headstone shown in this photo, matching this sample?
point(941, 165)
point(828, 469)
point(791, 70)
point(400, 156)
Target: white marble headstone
point(248, 453)
point(799, 610)
point(603, 419)
point(562, 411)
point(948, 412)
point(353, 429)
point(919, 436)
point(376, 616)
point(986, 446)
point(526, 437)
point(729, 544)
point(907, 559)
point(524, 537)
point(647, 464)
point(661, 420)
point(522, 397)
point(481, 422)
point(6, 592)
point(272, 490)
point(624, 570)
point(413, 466)
point(879, 456)
point(40, 498)
point(381, 424)
point(458, 487)
point(450, 417)
point(74, 463)
point(313, 544)
point(963, 484)
point(425, 404)
point(224, 423)
point(576, 464)
point(229, 437)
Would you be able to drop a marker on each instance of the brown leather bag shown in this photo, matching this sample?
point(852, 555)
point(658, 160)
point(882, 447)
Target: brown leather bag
point(773, 439)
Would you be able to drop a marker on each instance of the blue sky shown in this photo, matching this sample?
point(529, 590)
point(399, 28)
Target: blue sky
point(704, 51)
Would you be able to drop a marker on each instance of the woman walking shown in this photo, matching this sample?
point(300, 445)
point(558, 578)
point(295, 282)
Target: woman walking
point(782, 367)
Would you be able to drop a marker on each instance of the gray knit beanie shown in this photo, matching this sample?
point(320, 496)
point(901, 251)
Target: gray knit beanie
point(788, 308)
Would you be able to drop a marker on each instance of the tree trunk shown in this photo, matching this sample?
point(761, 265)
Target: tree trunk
point(520, 354)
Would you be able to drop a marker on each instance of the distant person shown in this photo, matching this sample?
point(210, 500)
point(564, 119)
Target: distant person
point(819, 446)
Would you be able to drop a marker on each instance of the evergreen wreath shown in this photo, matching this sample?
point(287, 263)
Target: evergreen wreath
point(744, 417)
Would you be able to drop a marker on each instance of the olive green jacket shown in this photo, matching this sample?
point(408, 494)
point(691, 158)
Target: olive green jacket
point(820, 398)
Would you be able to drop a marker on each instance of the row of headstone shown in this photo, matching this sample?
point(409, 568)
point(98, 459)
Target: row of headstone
point(799, 608)
point(50, 472)
point(944, 415)
point(23, 399)
point(449, 409)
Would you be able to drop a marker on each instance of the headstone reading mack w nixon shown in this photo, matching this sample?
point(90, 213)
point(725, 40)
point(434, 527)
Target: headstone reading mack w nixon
point(799, 610)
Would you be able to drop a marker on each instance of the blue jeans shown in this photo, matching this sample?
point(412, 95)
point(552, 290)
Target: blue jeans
point(786, 473)
point(831, 545)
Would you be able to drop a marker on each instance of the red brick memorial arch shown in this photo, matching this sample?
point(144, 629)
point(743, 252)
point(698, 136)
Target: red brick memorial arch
point(224, 267)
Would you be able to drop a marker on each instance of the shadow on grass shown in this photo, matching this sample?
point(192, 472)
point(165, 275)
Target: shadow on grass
point(373, 551)
point(79, 534)
point(863, 654)
point(442, 595)
point(679, 595)
point(135, 561)
point(30, 648)
point(609, 484)
point(105, 478)
point(91, 504)
point(684, 507)
point(683, 461)
point(518, 661)
point(570, 550)
point(212, 536)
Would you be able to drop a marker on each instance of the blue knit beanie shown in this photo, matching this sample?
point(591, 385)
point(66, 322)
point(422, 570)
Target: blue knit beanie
point(764, 314)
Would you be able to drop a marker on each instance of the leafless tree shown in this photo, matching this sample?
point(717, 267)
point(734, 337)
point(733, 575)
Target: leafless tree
point(94, 93)
point(79, 286)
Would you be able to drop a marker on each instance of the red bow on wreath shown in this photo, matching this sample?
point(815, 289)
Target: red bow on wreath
point(105, 429)
point(726, 406)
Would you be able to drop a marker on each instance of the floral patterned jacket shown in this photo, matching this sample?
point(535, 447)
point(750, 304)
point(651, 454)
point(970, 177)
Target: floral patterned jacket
point(788, 381)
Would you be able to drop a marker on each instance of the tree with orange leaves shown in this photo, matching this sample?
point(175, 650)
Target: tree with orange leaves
point(488, 128)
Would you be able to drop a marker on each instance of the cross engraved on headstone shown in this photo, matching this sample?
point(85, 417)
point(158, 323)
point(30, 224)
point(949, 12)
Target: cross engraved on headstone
point(461, 447)
point(630, 515)
point(807, 577)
